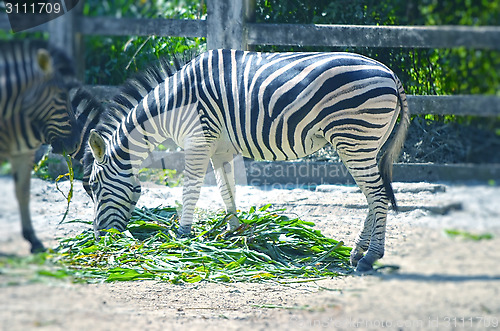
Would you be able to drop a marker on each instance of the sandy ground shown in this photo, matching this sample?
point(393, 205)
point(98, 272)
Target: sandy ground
point(442, 283)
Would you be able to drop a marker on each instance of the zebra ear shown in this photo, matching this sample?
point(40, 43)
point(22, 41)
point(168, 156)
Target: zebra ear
point(44, 61)
point(97, 145)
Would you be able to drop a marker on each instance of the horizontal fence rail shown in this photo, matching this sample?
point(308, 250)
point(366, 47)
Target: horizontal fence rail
point(460, 105)
point(480, 37)
point(290, 174)
point(141, 27)
point(374, 36)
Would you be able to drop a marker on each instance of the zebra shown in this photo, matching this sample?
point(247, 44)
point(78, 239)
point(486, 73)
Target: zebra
point(265, 106)
point(35, 80)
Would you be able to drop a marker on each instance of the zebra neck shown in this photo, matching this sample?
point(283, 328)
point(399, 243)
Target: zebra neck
point(168, 111)
point(137, 136)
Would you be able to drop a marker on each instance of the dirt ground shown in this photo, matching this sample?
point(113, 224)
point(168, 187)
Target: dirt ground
point(442, 283)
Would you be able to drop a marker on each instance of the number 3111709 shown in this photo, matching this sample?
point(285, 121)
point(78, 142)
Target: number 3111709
point(33, 8)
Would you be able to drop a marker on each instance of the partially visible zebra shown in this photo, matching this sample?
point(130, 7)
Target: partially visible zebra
point(266, 106)
point(35, 79)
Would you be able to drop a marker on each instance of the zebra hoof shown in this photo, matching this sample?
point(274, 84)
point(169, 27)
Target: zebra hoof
point(364, 267)
point(237, 231)
point(233, 222)
point(37, 248)
point(355, 257)
point(184, 232)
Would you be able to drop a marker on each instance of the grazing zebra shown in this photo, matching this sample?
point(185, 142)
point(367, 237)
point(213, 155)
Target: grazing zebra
point(34, 108)
point(266, 106)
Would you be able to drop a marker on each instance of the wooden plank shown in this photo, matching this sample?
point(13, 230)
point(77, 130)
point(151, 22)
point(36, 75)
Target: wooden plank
point(429, 172)
point(298, 173)
point(111, 26)
point(460, 105)
point(482, 37)
point(225, 24)
point(62, 33)
point(288, 174)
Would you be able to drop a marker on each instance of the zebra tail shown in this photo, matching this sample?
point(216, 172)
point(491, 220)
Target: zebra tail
point(394, 149)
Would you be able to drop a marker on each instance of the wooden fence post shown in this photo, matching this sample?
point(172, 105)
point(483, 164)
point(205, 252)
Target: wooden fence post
point(250, 8)
point(225, 19)
point(63, 33)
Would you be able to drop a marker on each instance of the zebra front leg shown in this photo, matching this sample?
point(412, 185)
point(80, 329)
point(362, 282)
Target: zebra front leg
point(224, 173)
point(197, 156)
point(22, 165)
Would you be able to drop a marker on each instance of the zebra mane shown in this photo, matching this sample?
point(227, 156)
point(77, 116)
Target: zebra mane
point(137, 87)
point(88, 111)
point(129, 96)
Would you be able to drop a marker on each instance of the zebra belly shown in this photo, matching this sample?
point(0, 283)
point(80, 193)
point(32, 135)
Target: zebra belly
point(299, 148)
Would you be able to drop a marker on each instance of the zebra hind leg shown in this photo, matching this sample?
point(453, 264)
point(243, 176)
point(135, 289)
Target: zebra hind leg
point(371, 238)
point(373, 231)
point(21, 170)
point(224, 173)
point(376, 234)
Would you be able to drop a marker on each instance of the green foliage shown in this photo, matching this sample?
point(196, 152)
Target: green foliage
point(452, 233)
point(110, 60)
point(41, 169)
point(269, 245)
point(5, 168)
point(8, 35)
point(167, 177)
point(71, 176)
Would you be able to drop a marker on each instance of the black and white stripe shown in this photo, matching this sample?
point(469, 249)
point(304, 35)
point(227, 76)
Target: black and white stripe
point(265, 106)
point(35, 80)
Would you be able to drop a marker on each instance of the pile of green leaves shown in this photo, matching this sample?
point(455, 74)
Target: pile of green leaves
point(268, 245)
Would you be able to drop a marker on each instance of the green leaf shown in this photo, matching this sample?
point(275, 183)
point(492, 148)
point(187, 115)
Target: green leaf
point(467, 235)
point(126, 274)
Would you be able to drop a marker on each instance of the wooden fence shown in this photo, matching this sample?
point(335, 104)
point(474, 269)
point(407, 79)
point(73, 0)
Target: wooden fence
point(230, 24)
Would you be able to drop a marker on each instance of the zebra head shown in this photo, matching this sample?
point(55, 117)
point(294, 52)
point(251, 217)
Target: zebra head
point(52, 115)
point(115, 190)
point(58, 126)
